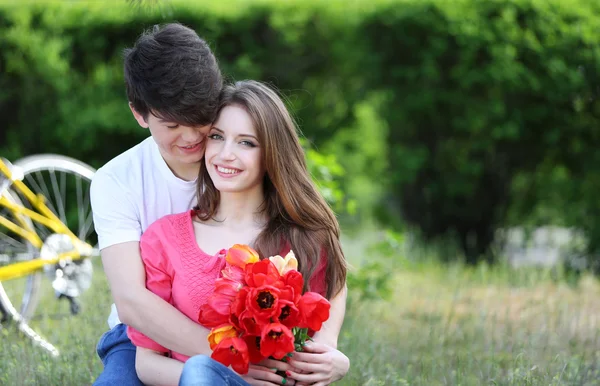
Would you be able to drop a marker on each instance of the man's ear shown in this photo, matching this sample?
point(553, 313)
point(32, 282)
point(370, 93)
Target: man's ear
point(138, 117)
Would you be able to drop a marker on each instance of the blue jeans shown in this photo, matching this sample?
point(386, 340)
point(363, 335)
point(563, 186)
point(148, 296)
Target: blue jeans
point(118, 356)
point(201, 370)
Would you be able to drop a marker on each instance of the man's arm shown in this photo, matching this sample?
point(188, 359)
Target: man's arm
point(144, 310)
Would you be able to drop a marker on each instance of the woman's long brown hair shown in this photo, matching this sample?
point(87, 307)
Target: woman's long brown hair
point(297, 213)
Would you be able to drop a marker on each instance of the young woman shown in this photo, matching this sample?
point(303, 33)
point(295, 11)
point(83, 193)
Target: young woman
point(253, 188)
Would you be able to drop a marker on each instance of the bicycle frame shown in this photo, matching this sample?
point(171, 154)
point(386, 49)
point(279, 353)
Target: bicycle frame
point(43, 216)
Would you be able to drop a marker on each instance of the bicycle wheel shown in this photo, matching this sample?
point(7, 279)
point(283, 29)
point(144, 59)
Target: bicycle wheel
point(14, 248)
point(65, 184)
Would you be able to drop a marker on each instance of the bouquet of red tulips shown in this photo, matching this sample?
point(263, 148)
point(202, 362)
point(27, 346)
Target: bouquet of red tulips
point(258, 311)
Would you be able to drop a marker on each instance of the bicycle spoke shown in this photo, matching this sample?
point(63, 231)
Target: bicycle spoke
point(61, 209)
point(80, 209)
point(87, 226)
point(63, 190)
point(37, 188)
point(11, 241)
point(42, 231)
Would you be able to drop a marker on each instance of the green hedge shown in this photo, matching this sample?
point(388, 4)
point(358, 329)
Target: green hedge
point(479, 92)
point(432, 107)
point(62, 78)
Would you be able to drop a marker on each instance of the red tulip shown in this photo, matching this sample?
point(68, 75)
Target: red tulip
point(262, 302)
point(232, 352)
point(253, 343)
point(239, 304)
point(227, 288)
point(276, 340)
point(295, 280)
point(261, 273)
point(314, 309)
point(289, 314)
point(221, 303)
point(248, 323)
point(210, 318)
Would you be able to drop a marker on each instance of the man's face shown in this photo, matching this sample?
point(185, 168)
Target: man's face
point(179, 145)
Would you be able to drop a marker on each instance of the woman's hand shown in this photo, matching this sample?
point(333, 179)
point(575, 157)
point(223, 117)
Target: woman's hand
point(318, 365)
point(264, 373)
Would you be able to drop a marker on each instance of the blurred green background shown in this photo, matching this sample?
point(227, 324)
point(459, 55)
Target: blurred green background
point(444, 133)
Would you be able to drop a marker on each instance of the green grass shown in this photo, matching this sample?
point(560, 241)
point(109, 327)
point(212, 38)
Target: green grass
point(443, 326)
point(458, 326)
point(22, 363)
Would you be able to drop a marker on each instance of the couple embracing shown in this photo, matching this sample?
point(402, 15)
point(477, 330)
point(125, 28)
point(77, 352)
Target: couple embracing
point(223, 165)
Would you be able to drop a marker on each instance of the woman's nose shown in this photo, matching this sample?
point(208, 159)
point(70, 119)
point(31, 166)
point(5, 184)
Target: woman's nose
point(226, 152)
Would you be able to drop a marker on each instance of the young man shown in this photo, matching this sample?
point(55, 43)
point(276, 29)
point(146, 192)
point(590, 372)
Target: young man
point(173, 83)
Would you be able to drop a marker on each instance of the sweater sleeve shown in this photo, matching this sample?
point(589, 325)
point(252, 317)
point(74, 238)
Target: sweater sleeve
point(318, 281)
point(159, 277)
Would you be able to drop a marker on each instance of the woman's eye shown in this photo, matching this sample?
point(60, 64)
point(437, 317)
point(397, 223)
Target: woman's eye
point(248, 143)
point(173, 126)
point(215, 136)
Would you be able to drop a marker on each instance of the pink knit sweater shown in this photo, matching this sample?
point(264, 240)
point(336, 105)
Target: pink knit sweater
point(181, 273)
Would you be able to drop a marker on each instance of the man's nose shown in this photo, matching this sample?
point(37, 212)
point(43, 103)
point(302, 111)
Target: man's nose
point(191, 134)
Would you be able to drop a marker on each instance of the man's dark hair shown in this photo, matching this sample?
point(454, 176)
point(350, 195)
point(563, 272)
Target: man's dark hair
point(171, 73)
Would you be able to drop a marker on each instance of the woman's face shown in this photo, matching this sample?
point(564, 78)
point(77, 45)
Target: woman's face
point(233, 154)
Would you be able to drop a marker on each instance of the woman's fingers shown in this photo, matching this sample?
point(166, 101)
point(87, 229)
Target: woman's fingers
point(305, 367)
point(306, 357)
point(267, 376)
point(275, 364)
point(316, 347)
point(306, 378)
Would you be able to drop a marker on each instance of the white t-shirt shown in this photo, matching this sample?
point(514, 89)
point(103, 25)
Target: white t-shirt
point(132, 191)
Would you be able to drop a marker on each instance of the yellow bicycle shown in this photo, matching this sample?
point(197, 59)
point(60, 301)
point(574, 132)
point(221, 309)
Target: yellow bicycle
point(46, 230)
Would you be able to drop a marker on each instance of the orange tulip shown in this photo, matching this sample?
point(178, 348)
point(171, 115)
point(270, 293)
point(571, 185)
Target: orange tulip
point(218, 334)
point(239, 255)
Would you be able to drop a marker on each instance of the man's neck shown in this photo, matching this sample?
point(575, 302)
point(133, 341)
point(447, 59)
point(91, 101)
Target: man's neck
point(186, 172)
